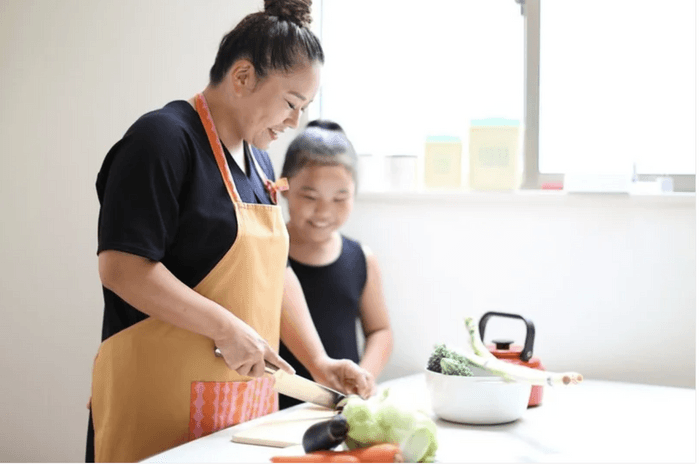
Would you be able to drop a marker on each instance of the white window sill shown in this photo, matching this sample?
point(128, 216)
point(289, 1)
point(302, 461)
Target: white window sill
point(526, 196)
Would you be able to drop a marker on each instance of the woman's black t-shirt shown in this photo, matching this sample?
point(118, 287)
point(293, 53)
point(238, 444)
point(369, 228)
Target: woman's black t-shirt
point(162, 197)
point(333, 293)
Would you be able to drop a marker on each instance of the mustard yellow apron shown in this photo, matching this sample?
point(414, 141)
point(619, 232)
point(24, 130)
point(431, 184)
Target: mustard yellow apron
point(154, 385)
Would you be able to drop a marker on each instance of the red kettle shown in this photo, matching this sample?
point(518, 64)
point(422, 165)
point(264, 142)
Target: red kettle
point(521, 355)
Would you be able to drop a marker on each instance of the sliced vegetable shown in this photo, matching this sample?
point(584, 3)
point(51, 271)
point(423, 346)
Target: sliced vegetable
point(325, 435)
point(483, 358)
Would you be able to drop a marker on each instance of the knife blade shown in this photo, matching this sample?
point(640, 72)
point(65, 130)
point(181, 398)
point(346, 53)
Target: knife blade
point(300, 388)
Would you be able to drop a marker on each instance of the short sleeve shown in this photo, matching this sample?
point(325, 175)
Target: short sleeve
point(139, 186)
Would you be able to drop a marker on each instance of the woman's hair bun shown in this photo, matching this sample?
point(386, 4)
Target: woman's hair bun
point(297, 11)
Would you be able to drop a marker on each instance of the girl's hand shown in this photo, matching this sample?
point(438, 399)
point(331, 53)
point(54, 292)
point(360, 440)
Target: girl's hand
point(245, 351)
point(346, 377)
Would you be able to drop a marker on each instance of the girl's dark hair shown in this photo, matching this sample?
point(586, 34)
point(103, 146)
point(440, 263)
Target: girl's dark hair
point(321, 143)
point(277, 39)
point(326, 124)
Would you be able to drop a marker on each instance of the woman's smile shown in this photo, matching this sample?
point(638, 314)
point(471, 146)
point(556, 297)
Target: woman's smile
point(274, 134)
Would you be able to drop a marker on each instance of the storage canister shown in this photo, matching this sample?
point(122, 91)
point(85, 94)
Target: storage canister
point(495, 154)
point(443, 162)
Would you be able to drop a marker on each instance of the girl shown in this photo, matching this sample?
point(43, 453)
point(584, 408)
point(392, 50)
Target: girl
point(340, 278)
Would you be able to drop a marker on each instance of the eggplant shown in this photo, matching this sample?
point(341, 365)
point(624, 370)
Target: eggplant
point(325, 435)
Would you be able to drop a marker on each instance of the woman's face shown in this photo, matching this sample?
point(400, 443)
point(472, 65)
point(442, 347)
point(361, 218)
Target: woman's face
point(276, 102)
point(320, 199)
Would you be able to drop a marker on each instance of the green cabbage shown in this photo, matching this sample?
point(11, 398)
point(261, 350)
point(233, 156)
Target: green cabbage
point(380, 419)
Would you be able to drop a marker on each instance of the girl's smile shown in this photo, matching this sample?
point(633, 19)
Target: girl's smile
point(320, 199)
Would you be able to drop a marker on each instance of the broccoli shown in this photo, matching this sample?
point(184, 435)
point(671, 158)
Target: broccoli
point(439, 352)
point(452, 367)
point(446, 361)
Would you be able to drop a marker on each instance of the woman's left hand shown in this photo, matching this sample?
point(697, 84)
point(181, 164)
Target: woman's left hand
point(346, 377)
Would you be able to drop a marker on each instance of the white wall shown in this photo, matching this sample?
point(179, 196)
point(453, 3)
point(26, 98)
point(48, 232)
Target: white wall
point(74, 76)
point(608, 281)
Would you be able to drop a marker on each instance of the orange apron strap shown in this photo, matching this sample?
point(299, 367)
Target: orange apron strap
point(272, 187)
point(213, 136)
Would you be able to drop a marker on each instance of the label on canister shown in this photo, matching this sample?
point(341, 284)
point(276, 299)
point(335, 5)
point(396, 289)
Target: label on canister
point(495, 154)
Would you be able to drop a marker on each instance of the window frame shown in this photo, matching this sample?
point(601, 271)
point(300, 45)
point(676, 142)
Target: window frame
point(532, 177)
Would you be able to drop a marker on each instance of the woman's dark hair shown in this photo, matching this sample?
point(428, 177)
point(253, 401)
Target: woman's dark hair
point(277, 39)
point(321, 143)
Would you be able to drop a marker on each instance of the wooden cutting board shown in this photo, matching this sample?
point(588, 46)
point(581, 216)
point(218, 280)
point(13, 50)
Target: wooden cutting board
point(282, 431)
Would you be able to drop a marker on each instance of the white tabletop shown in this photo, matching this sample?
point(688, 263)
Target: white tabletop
point(595, 421)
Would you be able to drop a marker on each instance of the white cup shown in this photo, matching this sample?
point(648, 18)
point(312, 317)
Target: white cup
point(401, 171)
point(370, 173)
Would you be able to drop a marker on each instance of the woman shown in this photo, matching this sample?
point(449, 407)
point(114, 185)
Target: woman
point(189, 235)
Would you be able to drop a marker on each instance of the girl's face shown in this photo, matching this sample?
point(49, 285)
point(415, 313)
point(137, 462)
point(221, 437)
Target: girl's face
point(276, 103)
point(320, 199)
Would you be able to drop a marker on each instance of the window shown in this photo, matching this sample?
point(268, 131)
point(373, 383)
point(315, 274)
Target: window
point(397, 72)
point(617, 87)
point(600, 86)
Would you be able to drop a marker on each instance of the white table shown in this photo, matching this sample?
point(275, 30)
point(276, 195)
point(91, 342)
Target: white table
point(595, 421)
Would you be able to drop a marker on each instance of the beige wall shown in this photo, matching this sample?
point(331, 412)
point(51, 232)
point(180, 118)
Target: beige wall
point(76, 74)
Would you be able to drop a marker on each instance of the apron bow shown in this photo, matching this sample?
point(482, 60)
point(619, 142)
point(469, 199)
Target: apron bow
point(273, 187)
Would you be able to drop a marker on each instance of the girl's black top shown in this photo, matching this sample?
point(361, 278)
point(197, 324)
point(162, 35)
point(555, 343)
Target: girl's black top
point(333, 294)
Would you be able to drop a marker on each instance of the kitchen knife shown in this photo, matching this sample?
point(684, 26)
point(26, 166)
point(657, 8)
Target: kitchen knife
point(300, 388)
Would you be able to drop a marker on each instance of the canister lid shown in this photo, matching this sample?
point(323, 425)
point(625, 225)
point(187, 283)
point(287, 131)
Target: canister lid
point(495, 122)
point(443, 139)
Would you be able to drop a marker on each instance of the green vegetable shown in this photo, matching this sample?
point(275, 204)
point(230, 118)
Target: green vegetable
point(476, 344)
point(484, 359)
point(455, 363)
point(380, 419)
point(363, 426)
point(439, 352)
point(452, 367)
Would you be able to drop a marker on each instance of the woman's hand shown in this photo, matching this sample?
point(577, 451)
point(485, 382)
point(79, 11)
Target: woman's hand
point(245, 351)
point(345, 376)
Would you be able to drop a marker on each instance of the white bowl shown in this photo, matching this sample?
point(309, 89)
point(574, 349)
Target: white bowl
point(478, 399)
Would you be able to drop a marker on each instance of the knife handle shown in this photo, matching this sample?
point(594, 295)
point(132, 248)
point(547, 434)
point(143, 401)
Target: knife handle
point(269, 367)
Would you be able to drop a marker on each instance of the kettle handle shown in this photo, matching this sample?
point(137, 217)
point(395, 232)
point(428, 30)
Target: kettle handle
point(526, 354)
